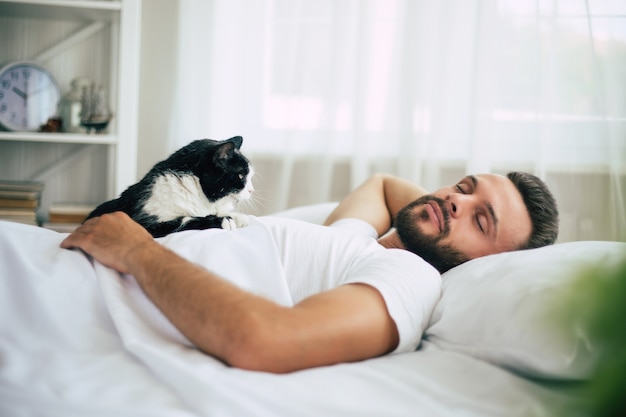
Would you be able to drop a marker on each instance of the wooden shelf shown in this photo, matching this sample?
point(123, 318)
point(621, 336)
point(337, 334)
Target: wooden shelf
point(61, 9)
point(102, 139)
point(98, 39)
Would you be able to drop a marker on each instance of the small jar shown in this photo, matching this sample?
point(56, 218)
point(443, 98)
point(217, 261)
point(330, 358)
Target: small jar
point(70, 105)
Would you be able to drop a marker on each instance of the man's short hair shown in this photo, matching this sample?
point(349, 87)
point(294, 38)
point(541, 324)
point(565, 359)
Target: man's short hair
point(541, 206)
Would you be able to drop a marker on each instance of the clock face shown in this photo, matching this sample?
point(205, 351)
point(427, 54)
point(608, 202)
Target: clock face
point(28, 96)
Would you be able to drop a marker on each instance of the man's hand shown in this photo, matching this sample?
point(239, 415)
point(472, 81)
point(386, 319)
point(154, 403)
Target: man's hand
point(111, 239)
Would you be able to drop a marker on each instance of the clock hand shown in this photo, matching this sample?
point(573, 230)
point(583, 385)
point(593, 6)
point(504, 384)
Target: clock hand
point(20, 93)
point(39, 90)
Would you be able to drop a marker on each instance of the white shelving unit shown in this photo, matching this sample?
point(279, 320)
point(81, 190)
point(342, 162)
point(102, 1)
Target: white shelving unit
point(97, 39)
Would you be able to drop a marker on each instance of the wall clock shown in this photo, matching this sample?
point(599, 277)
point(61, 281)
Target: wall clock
point(29, 96)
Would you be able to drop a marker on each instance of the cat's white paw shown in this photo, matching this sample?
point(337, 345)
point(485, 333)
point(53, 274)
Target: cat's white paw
point(240, 219)
point(234, 221)
point(228, 223)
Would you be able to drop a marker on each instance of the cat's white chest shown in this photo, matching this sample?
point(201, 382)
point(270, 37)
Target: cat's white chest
point(173, 196)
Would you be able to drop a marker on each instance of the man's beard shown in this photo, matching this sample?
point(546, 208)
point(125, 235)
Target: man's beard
point(441, 256)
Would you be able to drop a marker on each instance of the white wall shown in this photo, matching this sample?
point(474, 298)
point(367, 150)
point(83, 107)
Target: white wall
point(157, 81)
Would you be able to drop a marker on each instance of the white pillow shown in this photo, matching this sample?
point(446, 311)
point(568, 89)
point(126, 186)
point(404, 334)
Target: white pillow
point(501, 309)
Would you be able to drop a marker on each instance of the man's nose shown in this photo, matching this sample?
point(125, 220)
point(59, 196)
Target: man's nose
point(458, 204)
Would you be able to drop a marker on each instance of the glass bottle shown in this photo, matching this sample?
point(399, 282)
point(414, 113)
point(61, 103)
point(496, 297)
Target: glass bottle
point(71, 105)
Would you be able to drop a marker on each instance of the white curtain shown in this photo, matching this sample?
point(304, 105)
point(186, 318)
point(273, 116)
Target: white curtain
point(327, 92)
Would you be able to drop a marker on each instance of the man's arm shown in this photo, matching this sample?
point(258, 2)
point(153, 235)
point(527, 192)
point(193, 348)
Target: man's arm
point(377, 201)
point(346, 324)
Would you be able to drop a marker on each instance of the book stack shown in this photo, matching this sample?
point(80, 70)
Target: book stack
point(65, 217)
point(19, 201)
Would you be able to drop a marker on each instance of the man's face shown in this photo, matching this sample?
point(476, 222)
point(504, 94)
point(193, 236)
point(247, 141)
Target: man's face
point(478, 216)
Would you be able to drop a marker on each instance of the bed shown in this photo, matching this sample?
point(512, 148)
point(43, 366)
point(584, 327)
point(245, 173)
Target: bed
point(71, 345)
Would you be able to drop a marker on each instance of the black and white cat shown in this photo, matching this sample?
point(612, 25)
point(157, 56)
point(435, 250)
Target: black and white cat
point(197, 187)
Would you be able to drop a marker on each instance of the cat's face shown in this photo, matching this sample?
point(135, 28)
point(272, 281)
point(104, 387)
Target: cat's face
point(225, 172)
point(248, 189)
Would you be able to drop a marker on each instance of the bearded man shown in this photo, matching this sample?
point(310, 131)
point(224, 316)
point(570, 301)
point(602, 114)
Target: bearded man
point(361, 286)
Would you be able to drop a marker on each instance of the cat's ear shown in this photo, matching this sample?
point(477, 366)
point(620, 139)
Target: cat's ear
point(237, 140)
point(223, 153)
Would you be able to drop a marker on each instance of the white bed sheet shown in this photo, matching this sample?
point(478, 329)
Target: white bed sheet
point(86, 343)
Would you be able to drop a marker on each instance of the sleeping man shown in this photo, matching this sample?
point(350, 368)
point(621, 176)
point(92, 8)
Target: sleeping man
point(361, 288)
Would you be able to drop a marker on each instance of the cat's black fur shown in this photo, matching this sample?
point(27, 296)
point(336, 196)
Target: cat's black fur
point(195, 188)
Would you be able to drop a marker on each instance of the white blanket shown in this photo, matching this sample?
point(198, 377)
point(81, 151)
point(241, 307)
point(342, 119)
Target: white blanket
point(77, 339)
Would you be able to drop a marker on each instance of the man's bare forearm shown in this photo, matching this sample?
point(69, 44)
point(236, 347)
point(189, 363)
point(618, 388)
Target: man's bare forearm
point(208, 310)
point(348, 323)
point(211, 312)
point(399, 192)
point(377, 201)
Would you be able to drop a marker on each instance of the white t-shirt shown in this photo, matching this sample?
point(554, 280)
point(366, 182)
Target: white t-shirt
point(317, 258)
point(289, 260)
